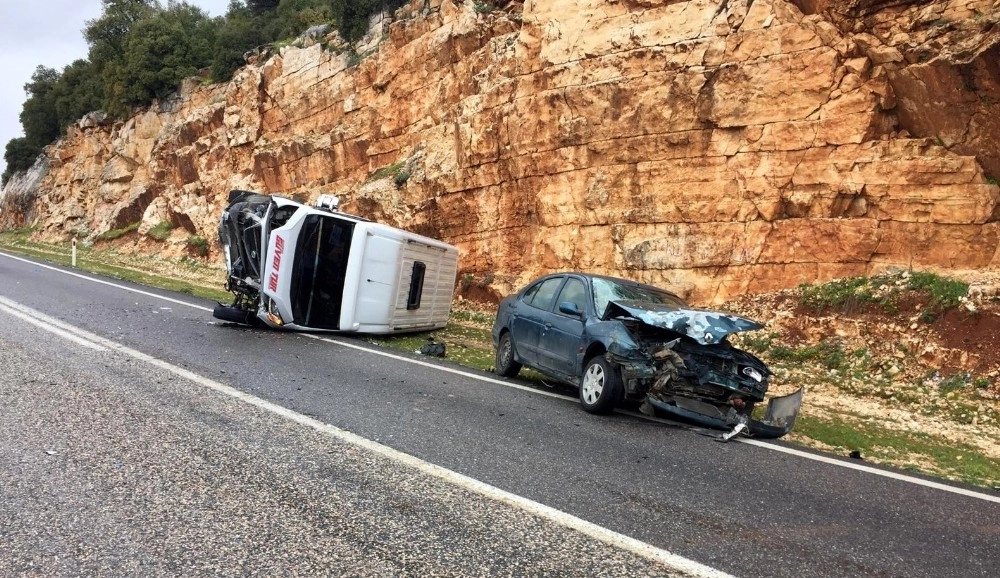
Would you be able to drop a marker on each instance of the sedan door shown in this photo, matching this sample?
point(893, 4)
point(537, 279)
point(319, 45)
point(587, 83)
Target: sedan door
point(561, 341)
point(531, 312)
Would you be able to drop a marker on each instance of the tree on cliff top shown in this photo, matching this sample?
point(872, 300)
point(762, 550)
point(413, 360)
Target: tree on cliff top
point(38, 116)
point(161, 50)
point(352, 15)
point(78, 91)
point(242, 30)
point(143, 51)
point(140, 51)
point(107, 34)
point(39, 120)
point(259, 7)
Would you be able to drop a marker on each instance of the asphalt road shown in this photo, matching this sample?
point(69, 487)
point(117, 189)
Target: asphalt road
point(140, 437)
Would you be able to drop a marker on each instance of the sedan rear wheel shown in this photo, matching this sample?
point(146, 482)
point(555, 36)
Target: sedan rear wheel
point(601, 387)
point(506, 366)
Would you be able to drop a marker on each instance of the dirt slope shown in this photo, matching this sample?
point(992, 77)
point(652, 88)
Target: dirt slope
point(887, 357)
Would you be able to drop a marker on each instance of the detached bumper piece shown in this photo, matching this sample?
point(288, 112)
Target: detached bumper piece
point(779, 419)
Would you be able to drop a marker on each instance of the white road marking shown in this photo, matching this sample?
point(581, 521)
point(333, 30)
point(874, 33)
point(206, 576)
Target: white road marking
point(753, 442)
point(757, 443)
point(679, 563)
point(45, 322)
point(871, 470)
point(443, 368)
point(108, 283)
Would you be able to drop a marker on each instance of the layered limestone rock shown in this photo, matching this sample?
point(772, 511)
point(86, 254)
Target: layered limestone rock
point(942, 59)
point(712, 147)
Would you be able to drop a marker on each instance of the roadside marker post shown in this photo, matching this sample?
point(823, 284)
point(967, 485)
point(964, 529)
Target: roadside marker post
point(73, 253)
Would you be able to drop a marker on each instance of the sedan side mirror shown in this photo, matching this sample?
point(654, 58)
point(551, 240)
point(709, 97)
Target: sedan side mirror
point(570, 308)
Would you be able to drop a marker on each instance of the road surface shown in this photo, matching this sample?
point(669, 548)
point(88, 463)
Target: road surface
point(140, 436)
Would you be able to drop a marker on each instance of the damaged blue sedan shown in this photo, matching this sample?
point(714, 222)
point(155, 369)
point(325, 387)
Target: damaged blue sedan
point(616, 339)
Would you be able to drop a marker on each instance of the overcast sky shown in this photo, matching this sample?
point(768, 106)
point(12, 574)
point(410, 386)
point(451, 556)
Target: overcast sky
point(50, 33)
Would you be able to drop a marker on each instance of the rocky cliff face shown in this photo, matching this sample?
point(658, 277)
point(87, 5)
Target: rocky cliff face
point(716, 147)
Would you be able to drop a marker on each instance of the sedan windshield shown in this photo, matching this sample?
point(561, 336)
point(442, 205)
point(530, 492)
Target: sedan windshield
point(608, 290)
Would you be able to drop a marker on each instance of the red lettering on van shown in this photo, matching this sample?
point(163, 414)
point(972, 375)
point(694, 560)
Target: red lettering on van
point(279, 249)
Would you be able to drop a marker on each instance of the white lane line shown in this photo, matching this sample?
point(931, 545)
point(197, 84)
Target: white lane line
point(679, 563)
point(871, 470)
point(443, 368)
point(103, 282)
point(753, 442)
point(45, 322)
point(757, 443)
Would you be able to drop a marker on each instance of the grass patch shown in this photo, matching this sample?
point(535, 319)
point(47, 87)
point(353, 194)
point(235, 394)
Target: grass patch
point(110, 264)
point(198, 245)
point(476, 317)
point(161, 230)
point(829, 353)
point(942, 457)
point(943, 292)
point(883, 293)
point(14, 236)
point(116, 233)
point(393, 170)
point(470, 346)
point(952, 383)
point(840, 295)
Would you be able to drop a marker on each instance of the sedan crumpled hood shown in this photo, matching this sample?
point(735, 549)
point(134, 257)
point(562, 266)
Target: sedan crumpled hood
point(704, 326)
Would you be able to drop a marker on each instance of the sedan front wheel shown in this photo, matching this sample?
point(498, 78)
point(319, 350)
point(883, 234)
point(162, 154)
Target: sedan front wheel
point(601, 387)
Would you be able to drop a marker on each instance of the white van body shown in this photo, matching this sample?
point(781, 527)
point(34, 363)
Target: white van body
point(323, 270)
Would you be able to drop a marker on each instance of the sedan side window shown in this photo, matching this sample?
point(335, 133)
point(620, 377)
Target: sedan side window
point(574, 292)
point(541, 297)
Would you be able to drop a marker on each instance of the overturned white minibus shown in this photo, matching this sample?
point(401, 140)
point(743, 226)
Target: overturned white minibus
point(314, 268)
